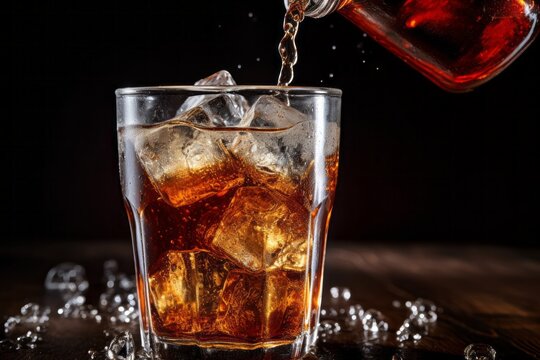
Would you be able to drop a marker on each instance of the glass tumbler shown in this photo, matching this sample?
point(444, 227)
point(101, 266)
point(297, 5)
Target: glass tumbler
point(228, 191)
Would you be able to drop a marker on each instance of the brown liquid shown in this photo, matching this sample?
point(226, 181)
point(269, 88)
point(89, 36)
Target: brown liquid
point(287, 46)
point(229, 268)
point(458, 44)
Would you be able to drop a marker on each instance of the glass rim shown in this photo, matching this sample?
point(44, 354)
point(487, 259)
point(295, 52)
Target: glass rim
point(174, 89)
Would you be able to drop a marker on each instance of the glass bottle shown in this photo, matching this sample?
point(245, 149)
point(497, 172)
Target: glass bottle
point(457, 44)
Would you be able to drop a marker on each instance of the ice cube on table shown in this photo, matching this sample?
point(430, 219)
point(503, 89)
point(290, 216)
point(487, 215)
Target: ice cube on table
point(185, 163)
point(480, 352)
point(67, 277)
point(223, 109)
point(185, 291)
point(411, 330)
point(262, 230)
point(262, 305)
point(121, 347)
point(374, 321)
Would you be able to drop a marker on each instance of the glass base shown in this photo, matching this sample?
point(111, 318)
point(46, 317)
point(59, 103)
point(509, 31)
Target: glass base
point(167, 349)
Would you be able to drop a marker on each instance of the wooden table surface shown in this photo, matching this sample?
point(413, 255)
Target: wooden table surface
point(489, 295)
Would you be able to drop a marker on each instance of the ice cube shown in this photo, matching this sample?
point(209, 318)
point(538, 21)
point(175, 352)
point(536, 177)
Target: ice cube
point(220, 78)
point(258, 306)
point(327, 328)
point(115, 279)
point(66, 277)
point(354, 316)
point(185, 291)
point(11, 323)
point(278, 154)
point(223, 109)
point(120, 305)
point(263, 229)
point(269, 112)
point(122, 347)
point(185, 163)
point(33, 313)
point(373, 321)
point(411, 330)
point(480, 352)
point(421, 305)
point(423, 310)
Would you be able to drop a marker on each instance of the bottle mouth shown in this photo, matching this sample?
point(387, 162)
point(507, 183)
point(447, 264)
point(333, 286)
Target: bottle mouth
point(318, 8)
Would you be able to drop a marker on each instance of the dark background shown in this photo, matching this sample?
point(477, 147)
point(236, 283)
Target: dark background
point(417, 164)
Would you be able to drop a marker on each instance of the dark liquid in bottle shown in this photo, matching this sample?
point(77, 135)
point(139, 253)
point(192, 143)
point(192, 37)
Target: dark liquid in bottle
point(458, 44)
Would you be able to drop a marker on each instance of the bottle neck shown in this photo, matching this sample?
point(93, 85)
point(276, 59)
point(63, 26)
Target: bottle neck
point(319, 8)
